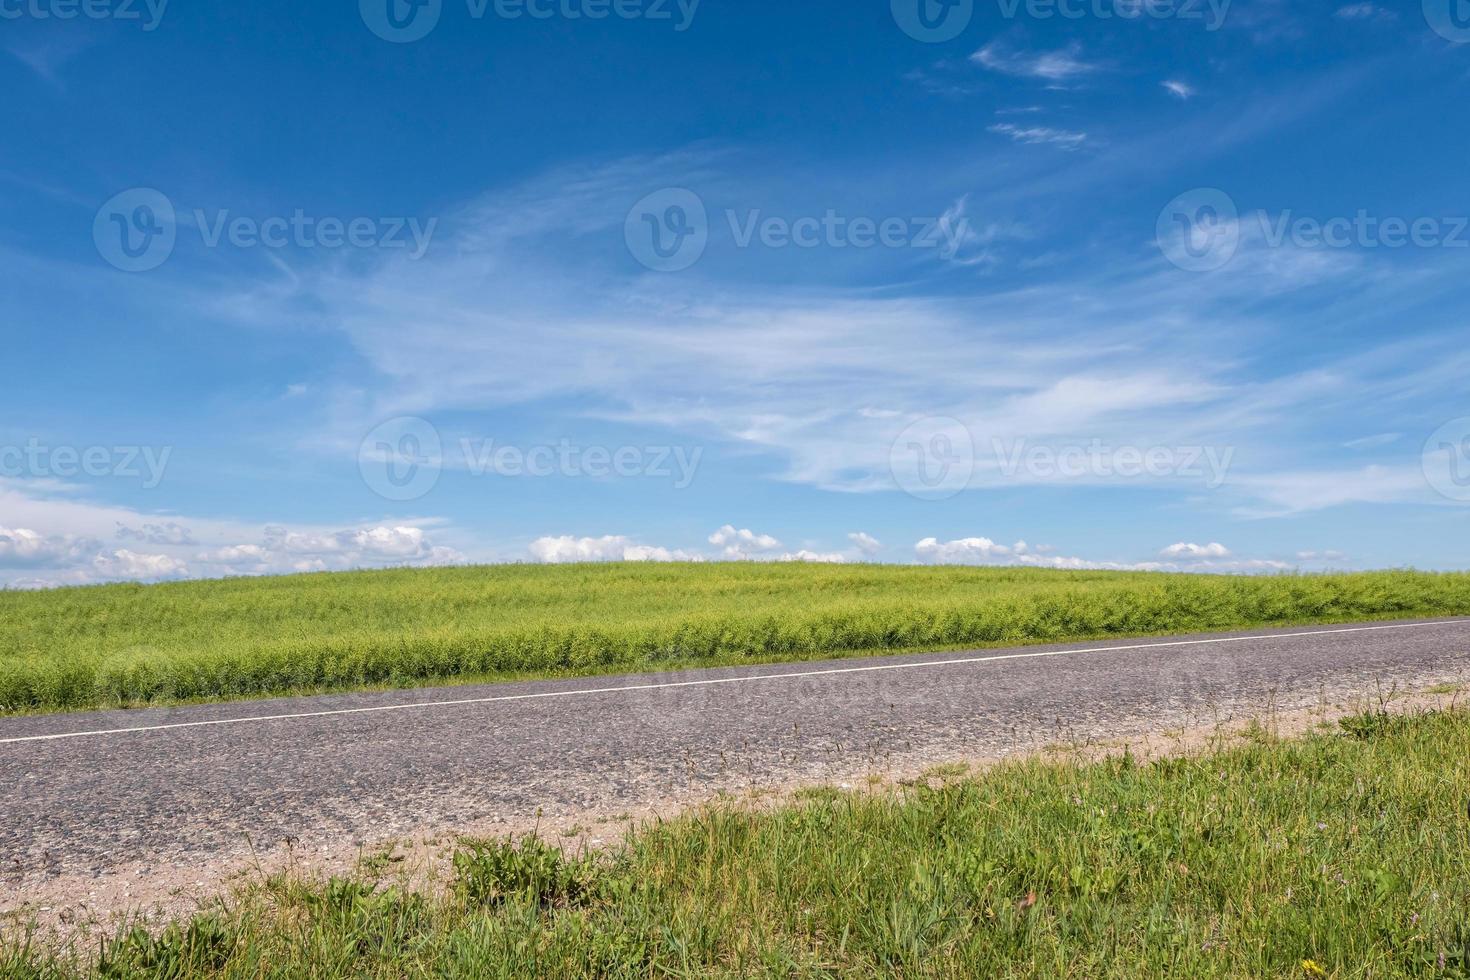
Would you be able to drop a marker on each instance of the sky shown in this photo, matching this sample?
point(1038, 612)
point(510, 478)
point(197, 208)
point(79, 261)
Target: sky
point(1158, 284)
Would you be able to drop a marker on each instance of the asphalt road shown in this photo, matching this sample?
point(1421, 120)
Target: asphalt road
point(87, 793)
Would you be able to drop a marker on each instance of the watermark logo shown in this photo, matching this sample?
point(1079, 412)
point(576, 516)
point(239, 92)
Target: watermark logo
point(135, 231)
point(1446, 460)
point(1101, 460)
point(401, 459)
point(38, 460)
point(148, 12)
point(933, 458)
point(1211, 12)
point(1199, 231)
point(401, 21)
point(406, 21)
point(933, 21)
point(1449, 18)
point(936, 458)
point(668, 230)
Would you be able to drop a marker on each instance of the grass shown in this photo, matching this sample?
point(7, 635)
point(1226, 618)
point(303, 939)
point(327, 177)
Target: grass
point(129, 645)
point(1336, 855)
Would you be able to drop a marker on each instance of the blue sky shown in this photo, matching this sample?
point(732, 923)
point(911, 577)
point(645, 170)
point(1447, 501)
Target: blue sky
point(1097, 283)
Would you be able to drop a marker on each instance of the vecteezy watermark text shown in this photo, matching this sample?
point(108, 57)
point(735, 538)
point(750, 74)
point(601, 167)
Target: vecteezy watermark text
point(37, 460)
point(402, 459)
point(936, 457)
point(1202, 230)
point(137, 230)
point(486, 457)
point(937, 21)
point(148, 12)
point(1211, 13)
point(669, 230)
point(1103, 460)
point(406, 21)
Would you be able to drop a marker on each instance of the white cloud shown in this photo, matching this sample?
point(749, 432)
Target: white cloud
point(962, 551)
point(357, 546)
point(1190, 550)
point(1066, 139)
point(820, 382)
point(1364, 11)
point(1178, 89)
point(1054, 66)
point(738, 544)
point(970, 243)
point(865, 542)
point(388, 542)
point(984, 551)
point(167, 533)
point(239, 554)
point(1284, 493)
point(1373, 442)
point(742, 543)
point(611, 547)
point(125, 564)
point(25, 548)
point(821, 557)
point(60, 540)
point(1189, 558)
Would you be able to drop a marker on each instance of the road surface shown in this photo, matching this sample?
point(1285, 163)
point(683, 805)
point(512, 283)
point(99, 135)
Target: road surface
point(85, 794)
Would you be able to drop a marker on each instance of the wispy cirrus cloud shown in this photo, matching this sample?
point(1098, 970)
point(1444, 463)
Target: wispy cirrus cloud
point(823, 380)
point(1058, 66)
point(1065, 138)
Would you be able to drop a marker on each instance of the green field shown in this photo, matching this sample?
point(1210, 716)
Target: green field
point(1346, 854)
point(135, 644)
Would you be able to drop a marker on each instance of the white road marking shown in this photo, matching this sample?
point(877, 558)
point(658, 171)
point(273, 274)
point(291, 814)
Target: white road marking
point(709, 682)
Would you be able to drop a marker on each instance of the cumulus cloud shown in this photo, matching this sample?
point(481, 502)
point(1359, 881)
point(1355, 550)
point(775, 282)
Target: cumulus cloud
point(961, 551)
point(236, 554)
point(742, 543)
point(865, 542)
point(1185, 549)
point(24, 548)
point(737, 544)
point(984, 551)
point(1185, 558)
point(1178, 89)
point(828, 557)
point(610, 547)
point(56, 560)
point(357, 546)
point(125, 564)
point(171, 533)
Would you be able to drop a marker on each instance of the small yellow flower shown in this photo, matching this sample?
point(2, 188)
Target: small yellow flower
point(1313, 969)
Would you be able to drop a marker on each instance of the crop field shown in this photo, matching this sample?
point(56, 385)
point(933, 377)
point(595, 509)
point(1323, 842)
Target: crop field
point(128, 645)
point(1343, 854)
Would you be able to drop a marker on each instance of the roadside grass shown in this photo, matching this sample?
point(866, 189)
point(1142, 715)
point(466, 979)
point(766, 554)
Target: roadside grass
point(131, 645)
point(1341, 854)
